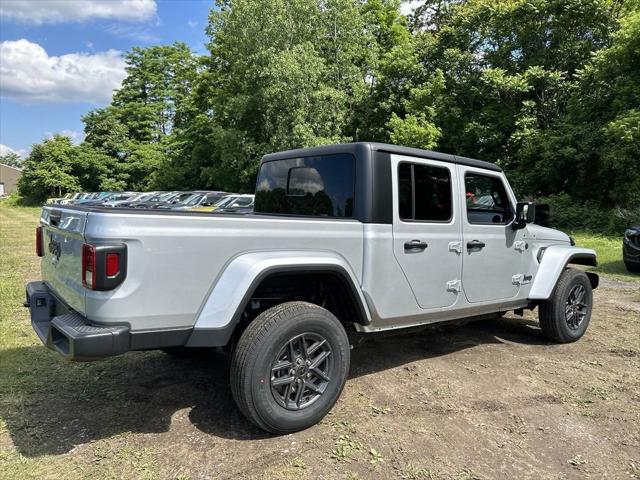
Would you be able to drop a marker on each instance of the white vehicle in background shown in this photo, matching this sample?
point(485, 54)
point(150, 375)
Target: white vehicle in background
point(345, 241)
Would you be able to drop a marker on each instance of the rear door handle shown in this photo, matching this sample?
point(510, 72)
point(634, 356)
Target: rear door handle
point(415, 246)
point(475, 245)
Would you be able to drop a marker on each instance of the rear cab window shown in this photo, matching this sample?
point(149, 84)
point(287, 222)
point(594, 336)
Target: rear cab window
point(320, 186)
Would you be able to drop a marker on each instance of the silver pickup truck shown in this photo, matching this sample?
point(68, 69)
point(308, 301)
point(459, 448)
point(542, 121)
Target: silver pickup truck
point(345, 240)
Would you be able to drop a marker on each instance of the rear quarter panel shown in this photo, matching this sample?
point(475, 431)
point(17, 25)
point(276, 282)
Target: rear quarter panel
point(175, 259)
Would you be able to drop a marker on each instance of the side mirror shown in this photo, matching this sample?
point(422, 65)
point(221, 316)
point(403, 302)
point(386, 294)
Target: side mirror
point(525, 213)
point(206, 204)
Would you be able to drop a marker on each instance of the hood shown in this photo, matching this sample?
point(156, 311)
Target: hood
point(543, 233)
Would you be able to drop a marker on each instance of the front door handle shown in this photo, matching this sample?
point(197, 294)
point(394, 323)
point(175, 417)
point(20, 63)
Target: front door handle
point(475, 245)
point(415, 246)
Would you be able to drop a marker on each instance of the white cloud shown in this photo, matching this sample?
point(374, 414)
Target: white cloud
point(76, 137)
point(192, 24)
point(29, 74)
point(66, 11)
point(4, 150)
point(132, 32)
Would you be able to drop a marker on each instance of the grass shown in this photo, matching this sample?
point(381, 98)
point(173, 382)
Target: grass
point(31, 378)
point(609, 250)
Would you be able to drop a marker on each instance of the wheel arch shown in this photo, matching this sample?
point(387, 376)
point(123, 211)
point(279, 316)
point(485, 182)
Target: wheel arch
point(554, 260)
point(232, 292)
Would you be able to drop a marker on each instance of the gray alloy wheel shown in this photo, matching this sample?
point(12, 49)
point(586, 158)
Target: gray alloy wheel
point(301, 372)
point(290, 366)
point(565, 316)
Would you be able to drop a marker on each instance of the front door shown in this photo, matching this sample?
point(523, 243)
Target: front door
point(493, 251)
point(426, 229)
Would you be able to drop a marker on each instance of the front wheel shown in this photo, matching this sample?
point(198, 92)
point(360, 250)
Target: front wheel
point(565, 316)
point(290, 366)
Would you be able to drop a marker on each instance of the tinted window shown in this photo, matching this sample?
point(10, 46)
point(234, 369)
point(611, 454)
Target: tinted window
point(310, 186)
point(486, 199)
point(424, 193)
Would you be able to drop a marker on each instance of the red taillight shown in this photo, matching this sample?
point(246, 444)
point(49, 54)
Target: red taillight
point(113, 264)
point(39, 251)
point(88, 266)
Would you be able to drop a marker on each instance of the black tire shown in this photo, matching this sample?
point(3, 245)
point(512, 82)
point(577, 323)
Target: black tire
point(560, 321)
point(257, 362)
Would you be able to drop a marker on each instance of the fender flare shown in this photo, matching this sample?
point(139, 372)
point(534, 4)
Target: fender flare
point(223, 307)
point(554, 261)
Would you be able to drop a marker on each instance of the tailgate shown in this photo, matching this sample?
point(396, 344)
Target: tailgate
point(62, 238)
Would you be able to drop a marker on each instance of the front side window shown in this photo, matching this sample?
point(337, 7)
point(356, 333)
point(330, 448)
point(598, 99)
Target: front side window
point(310, 186)
point(424, 193)
point(487, 200)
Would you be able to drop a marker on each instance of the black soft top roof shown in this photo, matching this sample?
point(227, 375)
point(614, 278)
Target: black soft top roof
point(357, 147)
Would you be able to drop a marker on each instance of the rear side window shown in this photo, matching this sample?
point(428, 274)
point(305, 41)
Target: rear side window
point(310, 186)
point(424, 193)
point(487, 200)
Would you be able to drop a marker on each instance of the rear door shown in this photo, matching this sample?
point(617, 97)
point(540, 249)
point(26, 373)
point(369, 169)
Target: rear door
point(426, 229)
point(493, 250)
point(62, 238)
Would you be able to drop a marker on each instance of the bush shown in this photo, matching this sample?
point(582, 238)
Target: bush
point(571, 215)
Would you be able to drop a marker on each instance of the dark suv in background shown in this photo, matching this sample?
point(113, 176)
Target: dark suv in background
point(631, 248)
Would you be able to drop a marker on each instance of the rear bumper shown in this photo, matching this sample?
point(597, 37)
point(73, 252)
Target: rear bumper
point(69, 333)
point(76, 338)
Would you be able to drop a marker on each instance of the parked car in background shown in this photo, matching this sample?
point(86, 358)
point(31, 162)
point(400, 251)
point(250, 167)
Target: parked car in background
point(72, 198)
point(55, 200)
point(113, 197)
point(631, 248)
point(175, 200)
point(234, 200)
point(200, 199)
point(93, 198)
point(160, 198)
point(133, 197)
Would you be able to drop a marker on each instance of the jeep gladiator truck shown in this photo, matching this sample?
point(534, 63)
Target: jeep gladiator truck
point(345, 239)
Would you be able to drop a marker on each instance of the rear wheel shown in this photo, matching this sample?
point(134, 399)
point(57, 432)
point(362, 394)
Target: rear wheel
point(290, 366)
point(565, 316)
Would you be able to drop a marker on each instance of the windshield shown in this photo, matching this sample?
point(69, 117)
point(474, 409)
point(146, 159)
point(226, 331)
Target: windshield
point(243, 202)
point(225, 201)
point(167, 197)
point(157, 197)
point(183, 197)
point(194, 199)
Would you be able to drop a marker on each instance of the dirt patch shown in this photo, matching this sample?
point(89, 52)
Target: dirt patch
point(488, 400)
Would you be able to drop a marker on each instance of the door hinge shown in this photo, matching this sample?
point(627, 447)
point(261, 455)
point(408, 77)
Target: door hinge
point(521, 279)
point(519, 245)
point(455, 247)
point(454, 285)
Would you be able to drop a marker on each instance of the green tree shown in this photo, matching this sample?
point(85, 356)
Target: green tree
point(281, 75)
point(47, 171)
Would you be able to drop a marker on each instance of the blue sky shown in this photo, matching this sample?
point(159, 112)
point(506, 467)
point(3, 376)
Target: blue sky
point(59, 59)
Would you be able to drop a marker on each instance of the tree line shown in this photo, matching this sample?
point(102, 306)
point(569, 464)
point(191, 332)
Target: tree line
point(547, 89)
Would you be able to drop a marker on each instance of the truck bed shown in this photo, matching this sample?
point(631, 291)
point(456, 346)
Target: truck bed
point(174, 257)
